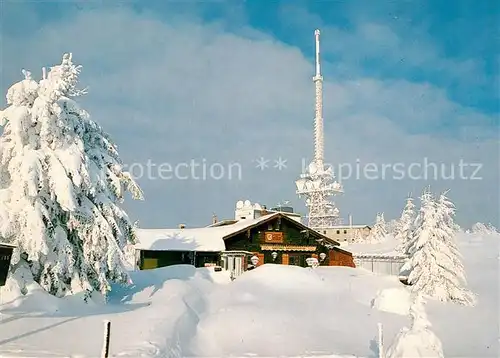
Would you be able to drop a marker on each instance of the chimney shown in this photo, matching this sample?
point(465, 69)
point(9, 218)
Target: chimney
point(182, 226)
point(214, 219)
point(350, 220)
point(263, 211)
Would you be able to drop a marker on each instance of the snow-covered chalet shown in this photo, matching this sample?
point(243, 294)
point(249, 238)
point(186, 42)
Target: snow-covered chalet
point(254, 237)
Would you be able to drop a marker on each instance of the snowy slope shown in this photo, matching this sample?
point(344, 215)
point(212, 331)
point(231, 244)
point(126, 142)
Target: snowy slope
point(289, 311)
point(464, 331)
point(473, 332)
point(272, 311)
point(148, 319)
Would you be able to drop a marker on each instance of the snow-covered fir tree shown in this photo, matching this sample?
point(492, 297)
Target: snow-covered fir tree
point(61, 185)
point(392, 226)
point(418, 340)
point(435, 267)
point(404, 228)
point(379, 230)
point(447, 210)
point(482, 229)
point(358, 237)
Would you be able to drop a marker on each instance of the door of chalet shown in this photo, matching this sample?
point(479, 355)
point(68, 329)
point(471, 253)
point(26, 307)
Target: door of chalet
point(296, 259)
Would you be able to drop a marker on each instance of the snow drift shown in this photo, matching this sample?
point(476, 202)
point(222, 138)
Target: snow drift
point(181, 311)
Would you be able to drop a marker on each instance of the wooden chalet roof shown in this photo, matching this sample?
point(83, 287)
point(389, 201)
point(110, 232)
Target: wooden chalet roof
point(264, 219)
point(211, 238)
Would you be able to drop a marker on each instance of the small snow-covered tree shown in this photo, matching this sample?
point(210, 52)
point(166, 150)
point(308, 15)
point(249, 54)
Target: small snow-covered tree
point(479, 228)
point(447, 210)
point(392, 226)
point(482, 229)
point(404, 229)
point(492, 229)
point(379, 230)
point(358, 237)
point(418, 340)
point(435, 267)
point(61, 186)
point(457, 228)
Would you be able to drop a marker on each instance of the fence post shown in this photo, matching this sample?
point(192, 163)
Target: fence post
point(380, 341)
point(105, 346)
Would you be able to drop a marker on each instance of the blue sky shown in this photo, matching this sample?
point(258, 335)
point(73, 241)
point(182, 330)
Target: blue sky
point(229, 82)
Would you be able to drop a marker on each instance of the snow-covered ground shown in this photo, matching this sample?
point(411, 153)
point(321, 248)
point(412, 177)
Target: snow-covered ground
point(272, 311)
point(386, 247)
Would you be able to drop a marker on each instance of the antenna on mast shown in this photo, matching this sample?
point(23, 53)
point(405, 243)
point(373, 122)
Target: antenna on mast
point(318, 109)
point(318, 68)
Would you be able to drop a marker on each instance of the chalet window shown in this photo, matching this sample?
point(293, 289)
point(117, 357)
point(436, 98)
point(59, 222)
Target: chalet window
point(345, 231)
point(338, 232)
point(324, 232)
point(269, 227)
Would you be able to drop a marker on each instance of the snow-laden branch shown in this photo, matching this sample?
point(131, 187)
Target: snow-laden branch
point(61, 186)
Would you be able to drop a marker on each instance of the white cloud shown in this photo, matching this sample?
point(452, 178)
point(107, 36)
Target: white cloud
point(173, 91)
point(395, 44)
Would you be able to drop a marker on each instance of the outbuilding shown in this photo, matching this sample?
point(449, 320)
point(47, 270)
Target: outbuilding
point(165, 247)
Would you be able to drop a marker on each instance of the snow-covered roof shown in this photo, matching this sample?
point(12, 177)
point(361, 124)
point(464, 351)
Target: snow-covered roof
point(6, 245)
point(284, 213)
point(380, 256)
point(347, 226)
point(210, 238)
point(196, 239)
point(222, 223)
point(386, 247)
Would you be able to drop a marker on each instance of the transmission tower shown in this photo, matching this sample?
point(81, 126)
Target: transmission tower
point(317, 185)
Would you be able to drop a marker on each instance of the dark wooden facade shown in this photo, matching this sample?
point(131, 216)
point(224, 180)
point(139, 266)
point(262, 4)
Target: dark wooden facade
point(151, 259)
point(5, 257)
point(292, 241)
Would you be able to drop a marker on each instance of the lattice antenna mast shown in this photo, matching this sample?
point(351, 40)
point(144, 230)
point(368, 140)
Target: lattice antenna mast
point(319, 141)
point(316, 185)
